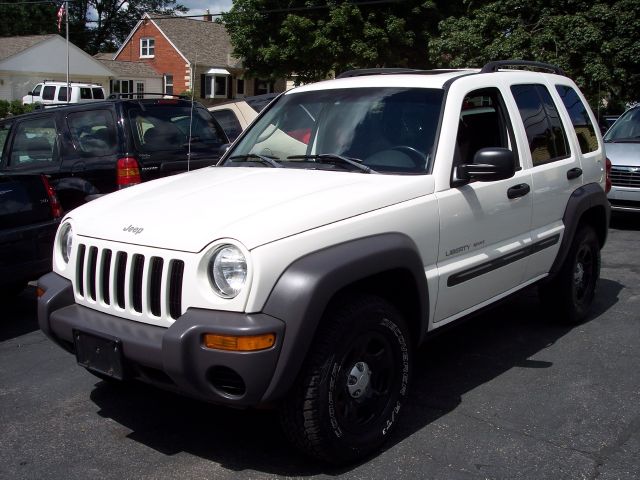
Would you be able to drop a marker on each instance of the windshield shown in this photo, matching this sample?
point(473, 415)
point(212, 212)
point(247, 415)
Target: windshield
point(386, 130)
point(167, 127)
point(626, 128)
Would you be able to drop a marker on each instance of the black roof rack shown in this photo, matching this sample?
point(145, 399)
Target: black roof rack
point(392, 71)
point(495, 66)
point(139, 95)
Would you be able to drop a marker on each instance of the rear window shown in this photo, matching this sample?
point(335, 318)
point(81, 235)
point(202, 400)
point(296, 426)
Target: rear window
point(582, 125)
point(34, 141)
point(98, 93)
point(93, 132)
point(166, 127)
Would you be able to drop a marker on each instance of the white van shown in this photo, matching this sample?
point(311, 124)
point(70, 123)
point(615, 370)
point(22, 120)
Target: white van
point(55, 93)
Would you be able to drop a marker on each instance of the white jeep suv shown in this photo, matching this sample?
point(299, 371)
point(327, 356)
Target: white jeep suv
point(354, 217)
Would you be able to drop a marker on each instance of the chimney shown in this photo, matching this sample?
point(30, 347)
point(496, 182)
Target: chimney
point(207, 16)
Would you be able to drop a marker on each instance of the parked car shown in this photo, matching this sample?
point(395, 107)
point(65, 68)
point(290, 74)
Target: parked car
point(235, 116)
point(95, 148)
point(606, 121)
point(622, 143)
point(351, 220)
point(55, 93)
point(29, 216)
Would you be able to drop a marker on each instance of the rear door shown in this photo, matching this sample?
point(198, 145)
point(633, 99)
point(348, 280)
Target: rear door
point(170, 137)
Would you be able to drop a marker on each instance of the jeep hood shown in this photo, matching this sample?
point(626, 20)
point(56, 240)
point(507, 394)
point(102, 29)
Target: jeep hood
point(252, 205)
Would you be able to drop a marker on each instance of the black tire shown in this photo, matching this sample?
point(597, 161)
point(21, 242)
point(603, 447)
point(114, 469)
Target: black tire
point(571, 292)
point(353, 384)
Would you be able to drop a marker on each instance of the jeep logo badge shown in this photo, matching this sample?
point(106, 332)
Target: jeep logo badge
point(132, 229)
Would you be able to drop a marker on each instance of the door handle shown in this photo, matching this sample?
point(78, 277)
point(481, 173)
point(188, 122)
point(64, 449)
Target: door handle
point(518, 190)
point(574, 173)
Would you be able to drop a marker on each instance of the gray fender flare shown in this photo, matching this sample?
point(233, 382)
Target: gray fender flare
point(587, 197)
point(306, 287)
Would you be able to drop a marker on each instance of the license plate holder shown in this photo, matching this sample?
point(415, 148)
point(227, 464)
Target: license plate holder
point(99, 354)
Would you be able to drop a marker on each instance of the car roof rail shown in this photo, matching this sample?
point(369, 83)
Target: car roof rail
point(140, 95)
point(495, 66)
point(360, 72)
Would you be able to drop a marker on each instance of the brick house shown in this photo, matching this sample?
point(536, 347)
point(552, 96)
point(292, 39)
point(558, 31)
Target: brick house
point(186, 50)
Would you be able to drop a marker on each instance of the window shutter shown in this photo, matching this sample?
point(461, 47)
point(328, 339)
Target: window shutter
point(229, 87)
point(203, 85)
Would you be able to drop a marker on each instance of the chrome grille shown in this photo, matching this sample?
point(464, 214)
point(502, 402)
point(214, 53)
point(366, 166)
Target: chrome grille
point(145, 284)
point(625, 176)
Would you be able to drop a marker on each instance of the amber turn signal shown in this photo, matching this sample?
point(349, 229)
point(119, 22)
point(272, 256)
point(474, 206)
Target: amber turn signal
point(39, 292)
point(247, 343)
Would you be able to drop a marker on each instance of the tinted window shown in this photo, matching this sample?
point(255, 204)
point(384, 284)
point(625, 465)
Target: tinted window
point(626, 129)
point(165, 127)
point(580, 118)
point(483, 124)
point(98, 93)
point(85, 93)
point(93, 132)
point(4, 133)
point(229, 123)
point(547, 139)
point(36, 91)
point(62, 95)
point(34, 141)
point(48, 92)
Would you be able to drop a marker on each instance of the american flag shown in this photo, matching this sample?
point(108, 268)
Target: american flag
point(60, 15)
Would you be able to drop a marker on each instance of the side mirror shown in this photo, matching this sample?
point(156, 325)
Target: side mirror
point(489, 164)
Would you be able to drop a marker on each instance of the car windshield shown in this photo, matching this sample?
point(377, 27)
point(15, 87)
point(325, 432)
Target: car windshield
point(386, 130)
point(626, 129)
point(167, 127)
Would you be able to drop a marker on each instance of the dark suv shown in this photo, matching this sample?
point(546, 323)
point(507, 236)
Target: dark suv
point(91, 149)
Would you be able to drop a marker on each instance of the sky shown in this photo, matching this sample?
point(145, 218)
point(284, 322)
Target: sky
point(198, 7)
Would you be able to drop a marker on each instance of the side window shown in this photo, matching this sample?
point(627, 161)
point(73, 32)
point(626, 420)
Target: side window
point(585, 131)
point(229, 123)
point(36, 91)
point(62, 94)
point(483, 124)
point(93, 132)
point(85, 93)
point(34, 141)
point(98, 93)
point(4, 133)
point(547, 139)
point(49, 92)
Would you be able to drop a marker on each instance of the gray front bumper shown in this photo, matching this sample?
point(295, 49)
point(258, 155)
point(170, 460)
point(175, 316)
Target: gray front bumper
point(175, 357)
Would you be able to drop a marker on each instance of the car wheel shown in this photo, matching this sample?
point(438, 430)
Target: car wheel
point(572, 291)
point(353, 384)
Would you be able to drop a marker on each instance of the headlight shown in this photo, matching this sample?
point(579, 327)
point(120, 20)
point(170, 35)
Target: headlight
point(66, 242)
point(228, 271)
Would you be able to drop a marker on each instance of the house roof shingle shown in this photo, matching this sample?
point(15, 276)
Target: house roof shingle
point(10, 46)
point(130, 69)
point(201, 42)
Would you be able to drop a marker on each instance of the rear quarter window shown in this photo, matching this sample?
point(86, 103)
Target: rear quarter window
point(229, 123)
point(585, 131)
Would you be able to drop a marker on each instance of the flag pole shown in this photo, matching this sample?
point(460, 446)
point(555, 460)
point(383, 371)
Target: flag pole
point(66, 11)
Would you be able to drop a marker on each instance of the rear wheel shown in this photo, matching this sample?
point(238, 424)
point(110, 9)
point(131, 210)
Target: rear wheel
point(572, 291)
point(352, 387)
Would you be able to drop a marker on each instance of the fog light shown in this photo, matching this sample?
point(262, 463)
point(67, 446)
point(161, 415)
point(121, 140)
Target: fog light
point(245, 343)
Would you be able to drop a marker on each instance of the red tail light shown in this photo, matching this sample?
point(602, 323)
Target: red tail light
point(128, 172)
point(607, 187)
point(56, 208)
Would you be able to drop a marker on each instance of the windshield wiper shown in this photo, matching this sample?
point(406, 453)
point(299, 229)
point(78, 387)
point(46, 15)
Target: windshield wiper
point(271, 161)
point(332, 157)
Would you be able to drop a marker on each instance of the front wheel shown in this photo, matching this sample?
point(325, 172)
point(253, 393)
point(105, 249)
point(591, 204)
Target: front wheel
point(572, 291)
point(352, 387)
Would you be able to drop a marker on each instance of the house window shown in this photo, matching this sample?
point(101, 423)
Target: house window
point(168, 84)
point(215, 86)
point(122, 87)
point(139, 89)
point(263, 86)
point(147, 47)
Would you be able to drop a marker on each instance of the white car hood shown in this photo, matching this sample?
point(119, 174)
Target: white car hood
point(252, 205)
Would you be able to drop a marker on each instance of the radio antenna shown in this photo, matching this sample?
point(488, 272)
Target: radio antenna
point(193, 92)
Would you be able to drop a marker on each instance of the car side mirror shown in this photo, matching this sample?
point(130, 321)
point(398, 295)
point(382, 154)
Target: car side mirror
point(489, 164)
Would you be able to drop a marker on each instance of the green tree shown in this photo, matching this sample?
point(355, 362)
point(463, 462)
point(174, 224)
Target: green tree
point(596, 42)
point(94, 25)
point(314, 39)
